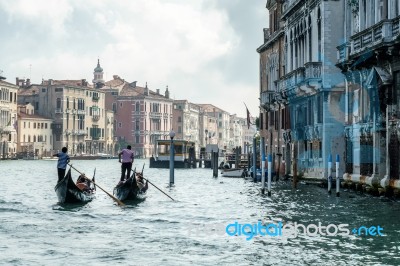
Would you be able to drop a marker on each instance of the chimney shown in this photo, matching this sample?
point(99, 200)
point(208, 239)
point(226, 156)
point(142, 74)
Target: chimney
point(158, 91)
point(28, 82)
point(50, 82)
point(83, 82)
point(146, 90)
point(167, 93)
point(133, 84)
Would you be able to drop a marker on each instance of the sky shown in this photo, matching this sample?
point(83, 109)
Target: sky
point(203, 50)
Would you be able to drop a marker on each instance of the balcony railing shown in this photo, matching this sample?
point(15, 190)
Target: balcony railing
point(80, 112)
point(58, 111)
point(96, 117)
point(95, 98)
point(155, 115)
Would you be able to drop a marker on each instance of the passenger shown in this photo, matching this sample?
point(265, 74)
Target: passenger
point(83, 184)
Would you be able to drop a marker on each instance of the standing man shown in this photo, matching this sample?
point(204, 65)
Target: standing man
point(63, 160)
point(127, 161)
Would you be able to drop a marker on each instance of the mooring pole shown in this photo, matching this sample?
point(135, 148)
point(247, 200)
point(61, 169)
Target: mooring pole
point(269, 174)
point(337, 176)
point(262, 150)
point(171, 159)
point(329, 173)
point(254, 160)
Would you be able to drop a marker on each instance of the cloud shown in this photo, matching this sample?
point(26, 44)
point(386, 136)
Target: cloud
point(201, 49)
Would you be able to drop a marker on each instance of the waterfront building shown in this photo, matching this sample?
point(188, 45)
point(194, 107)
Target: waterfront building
point(235, 132)
point(142, 116)
point(222, 123)
point(35, 137)
point(370, 60)
point(274, 120)
point(77, 110)
point(311, 86)
point(8, 119)
point(208, 128)
point(185, 121)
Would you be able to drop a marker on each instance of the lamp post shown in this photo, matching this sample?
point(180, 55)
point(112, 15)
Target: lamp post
point(171, 158)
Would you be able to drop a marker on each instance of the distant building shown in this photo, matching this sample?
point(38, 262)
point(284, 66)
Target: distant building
point(222, 118)
point(8, 119)
point(78, 113)
point(35, 137)
point(141, 115)
point(186, 121)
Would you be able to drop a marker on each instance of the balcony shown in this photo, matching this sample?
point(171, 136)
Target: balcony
point(95, 98)
point(155, 115)
point(58, 111)
point(96, 117)
point(377, 35)
point(80, 112)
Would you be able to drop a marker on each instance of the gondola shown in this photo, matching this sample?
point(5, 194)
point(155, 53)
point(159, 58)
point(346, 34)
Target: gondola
point(68, 192)
point(129, 189)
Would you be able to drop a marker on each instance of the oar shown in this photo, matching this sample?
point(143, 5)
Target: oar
point(114, 198)
point(143, 168)
point(156, 186)
point(94, 174)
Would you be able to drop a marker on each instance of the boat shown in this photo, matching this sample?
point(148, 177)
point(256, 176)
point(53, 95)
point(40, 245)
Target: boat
point(184, 154)
point(234, 172)
point(68, 191)
point(129, 189)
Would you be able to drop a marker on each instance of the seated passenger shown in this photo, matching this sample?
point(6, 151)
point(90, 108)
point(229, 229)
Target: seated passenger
point(83, 184)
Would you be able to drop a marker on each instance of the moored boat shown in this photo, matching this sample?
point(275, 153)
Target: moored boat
point(130, 189)
point(234, 172)
point(69, 192)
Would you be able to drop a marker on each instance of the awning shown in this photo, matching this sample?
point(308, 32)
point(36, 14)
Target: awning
point(384, 75)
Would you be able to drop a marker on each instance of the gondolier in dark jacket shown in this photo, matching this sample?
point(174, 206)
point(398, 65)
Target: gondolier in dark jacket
point(63, 160)
point(126, 162)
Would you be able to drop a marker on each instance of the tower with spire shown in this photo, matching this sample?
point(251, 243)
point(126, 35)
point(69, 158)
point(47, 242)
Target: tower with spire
point(98, 80)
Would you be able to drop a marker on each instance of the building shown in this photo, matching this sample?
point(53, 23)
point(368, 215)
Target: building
point(77, 110)
point(141, 115)
point(312, 83)
point(208, 128)
point(274, 121)
point(35, 137)
point(222, 119)
point(186, 121)
point(370, 60)
point(8, 119)
point(235, 132)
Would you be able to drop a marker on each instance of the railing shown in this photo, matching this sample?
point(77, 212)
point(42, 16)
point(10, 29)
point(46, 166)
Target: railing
point(313, 70)
point(95, 98)
point(155, 115)
point(80, 112)
point(96, 117)
point(58, 111)
point(381, 32)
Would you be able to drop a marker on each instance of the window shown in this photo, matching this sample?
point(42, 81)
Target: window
point(58, 103)
point(179, 119)
point(137, 139)
point(119, 124)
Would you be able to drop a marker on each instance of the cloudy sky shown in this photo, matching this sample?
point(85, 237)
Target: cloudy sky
point(204, 50)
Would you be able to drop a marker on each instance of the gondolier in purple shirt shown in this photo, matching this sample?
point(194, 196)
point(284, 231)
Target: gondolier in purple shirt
point(126, 161)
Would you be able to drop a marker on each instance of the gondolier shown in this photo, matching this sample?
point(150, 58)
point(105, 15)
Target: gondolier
point(126, 162)
point(63, 160)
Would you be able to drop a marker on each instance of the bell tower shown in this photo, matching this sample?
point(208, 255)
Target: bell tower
point(98, 73)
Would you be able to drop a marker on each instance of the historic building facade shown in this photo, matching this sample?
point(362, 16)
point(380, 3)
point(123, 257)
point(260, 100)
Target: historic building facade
point(77, 110)
point(141, 115)
point(35, 136)
point(8, 119)
point(304, 80)
point(186, 121)
point(274, 116)
point(369, 57)
point(221, 117)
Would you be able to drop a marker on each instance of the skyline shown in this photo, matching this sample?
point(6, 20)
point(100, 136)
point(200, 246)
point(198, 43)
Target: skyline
point(64, 40)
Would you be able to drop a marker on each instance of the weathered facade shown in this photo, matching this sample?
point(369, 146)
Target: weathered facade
point(369, 57)
point(186, 121)
point(142, 116)
point(35, 136)
point(274, 116)
point(8, 119)
point(77, 111)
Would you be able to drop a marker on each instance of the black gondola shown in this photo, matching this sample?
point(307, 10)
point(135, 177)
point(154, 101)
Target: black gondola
point(129, 189)
point(68, 192)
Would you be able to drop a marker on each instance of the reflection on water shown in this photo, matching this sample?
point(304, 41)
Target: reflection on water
point(190, 230)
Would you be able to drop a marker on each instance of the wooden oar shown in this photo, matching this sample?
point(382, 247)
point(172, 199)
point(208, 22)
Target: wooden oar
point(114, 198)
point(156, 186)
point(94, 174)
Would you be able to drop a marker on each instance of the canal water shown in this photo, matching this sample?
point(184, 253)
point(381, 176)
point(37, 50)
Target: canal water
point(36, 230)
